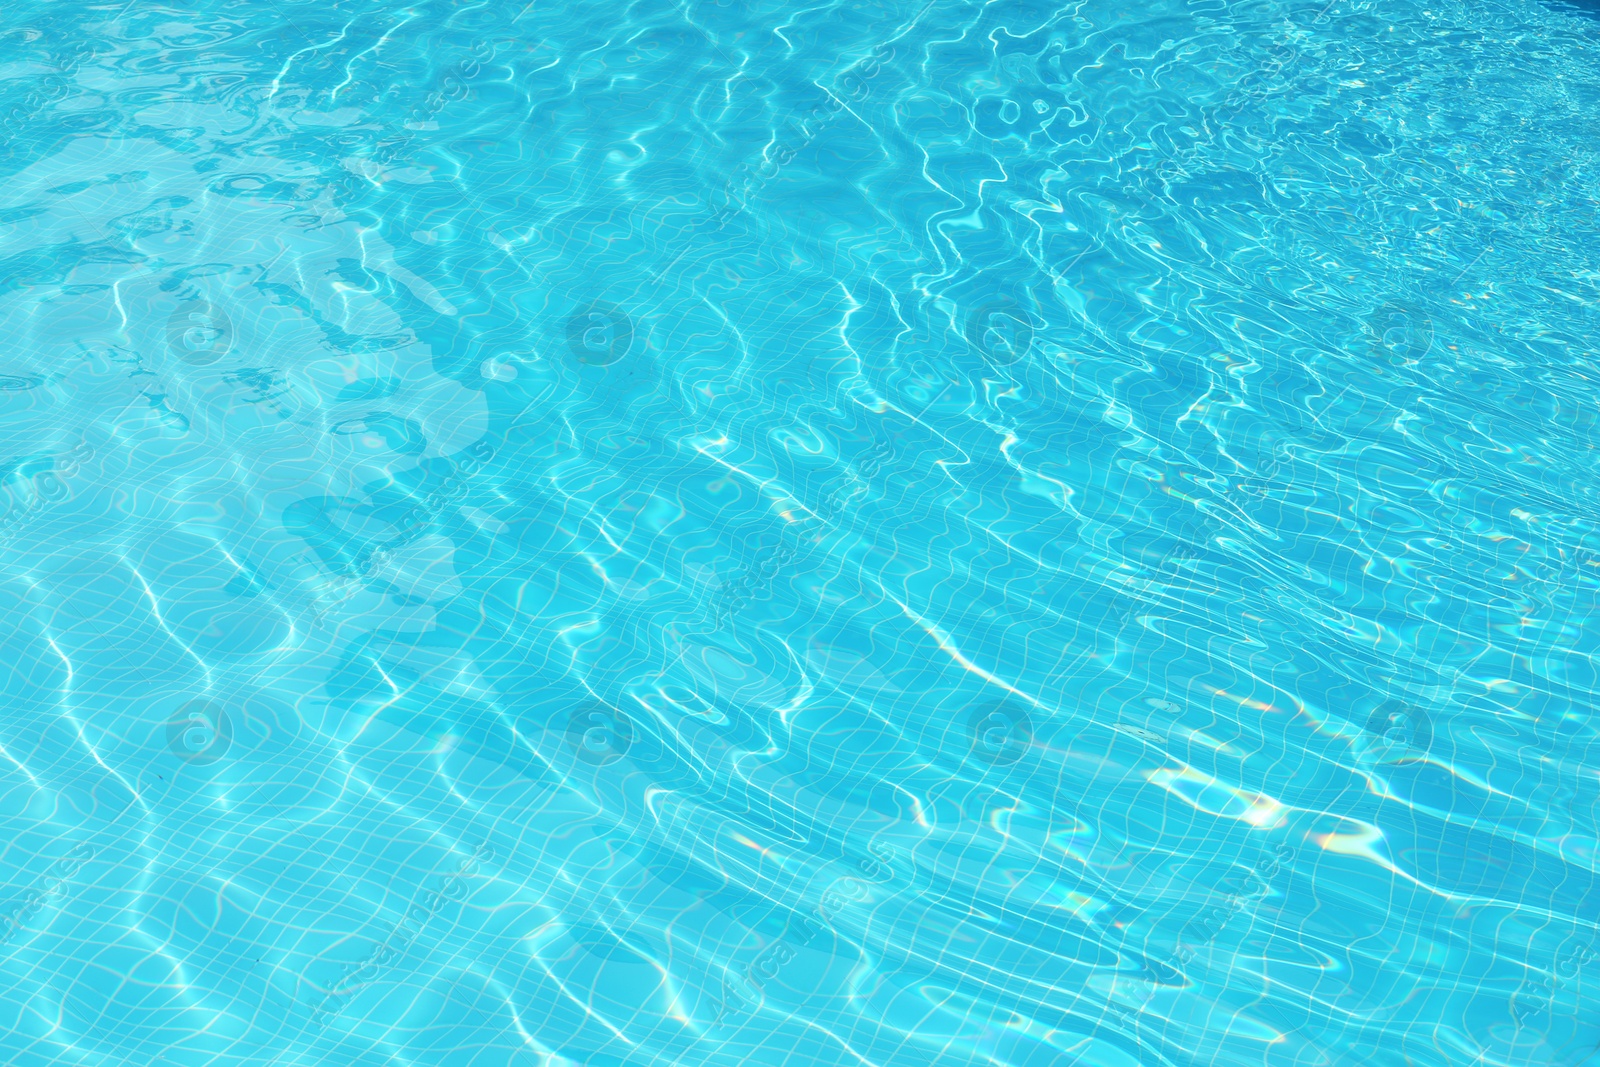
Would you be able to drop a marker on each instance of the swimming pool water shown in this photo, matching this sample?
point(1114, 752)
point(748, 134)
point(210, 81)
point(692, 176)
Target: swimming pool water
point(916, 533)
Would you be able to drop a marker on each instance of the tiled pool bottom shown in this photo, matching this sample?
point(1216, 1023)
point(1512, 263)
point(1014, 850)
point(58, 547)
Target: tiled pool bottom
point(880, 535)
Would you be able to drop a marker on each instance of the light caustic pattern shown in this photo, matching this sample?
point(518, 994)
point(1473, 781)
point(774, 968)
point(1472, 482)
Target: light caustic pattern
point(923, 533)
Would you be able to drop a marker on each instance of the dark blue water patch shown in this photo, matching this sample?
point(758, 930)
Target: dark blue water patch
point(1585, 8)
point(413, 499)
point(342, 532)
point(53, 264)
point(458, 351)
point(1471, 841)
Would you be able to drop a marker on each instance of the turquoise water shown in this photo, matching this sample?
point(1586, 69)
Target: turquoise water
point(874, 534)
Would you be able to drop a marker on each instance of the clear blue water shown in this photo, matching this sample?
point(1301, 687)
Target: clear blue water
point(740, 534)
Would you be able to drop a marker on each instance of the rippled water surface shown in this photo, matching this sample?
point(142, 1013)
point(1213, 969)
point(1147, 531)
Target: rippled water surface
point(909, 533)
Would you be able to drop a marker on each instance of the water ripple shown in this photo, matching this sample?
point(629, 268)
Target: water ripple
point(892, 533)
